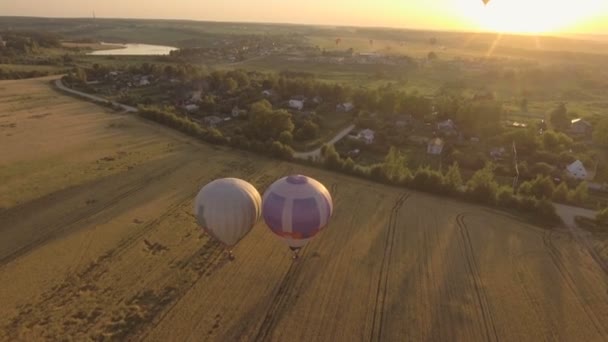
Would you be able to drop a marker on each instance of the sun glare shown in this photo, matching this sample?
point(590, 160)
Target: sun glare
point(531, 16)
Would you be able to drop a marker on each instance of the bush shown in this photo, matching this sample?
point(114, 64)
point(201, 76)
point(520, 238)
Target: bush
point(580, 194)
point(506, 198)
point(602, 217)
point(482, 186)
point(428, 180)
point(561, 193)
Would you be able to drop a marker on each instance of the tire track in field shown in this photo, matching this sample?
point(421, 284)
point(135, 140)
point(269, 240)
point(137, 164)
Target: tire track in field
point(281, 299)
point(536, 306)
point(568, 279)
point(70, 222)
point(64, 294)
point(383, 278)
point(478, 286)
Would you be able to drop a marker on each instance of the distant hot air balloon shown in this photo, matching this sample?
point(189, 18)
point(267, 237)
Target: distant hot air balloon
point(296, 208)
point(227, 209)
point(485, 2)
point(371, 42)
point(338, 41)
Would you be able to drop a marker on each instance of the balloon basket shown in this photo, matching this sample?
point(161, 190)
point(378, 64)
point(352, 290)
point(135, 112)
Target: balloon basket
point(296, 253)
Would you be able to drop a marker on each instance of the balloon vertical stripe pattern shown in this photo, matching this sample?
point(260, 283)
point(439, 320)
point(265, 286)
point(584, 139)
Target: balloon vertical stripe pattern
point(227, 209)
point(296, 208)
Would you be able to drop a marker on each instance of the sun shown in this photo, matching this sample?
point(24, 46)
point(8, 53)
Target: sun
point(530, 16)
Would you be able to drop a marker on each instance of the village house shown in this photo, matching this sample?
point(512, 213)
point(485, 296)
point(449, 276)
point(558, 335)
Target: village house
point(196, 96)
point(580, 127)
point(447, 128)
point(577, 170)
point(144, 81)
point(435, 146)
point(236, 112)
point(296, 104)
point(267, 93)
point(403, 121)
point(317, 100)
point(497, 153)
point(2, 42)
point(191, 108)
point(367, 136)
point(345, 107)
point(212, 120)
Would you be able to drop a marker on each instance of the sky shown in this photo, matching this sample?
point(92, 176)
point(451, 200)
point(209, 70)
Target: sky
point(576, 16)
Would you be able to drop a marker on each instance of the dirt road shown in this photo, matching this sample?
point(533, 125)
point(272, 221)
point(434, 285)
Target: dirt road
point(316, 154)
point(97, 242)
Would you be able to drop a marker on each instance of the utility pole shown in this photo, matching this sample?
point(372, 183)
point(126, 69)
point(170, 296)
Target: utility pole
point(516, 178)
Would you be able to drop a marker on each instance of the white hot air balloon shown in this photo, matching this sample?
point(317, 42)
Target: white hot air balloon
point(227, 209)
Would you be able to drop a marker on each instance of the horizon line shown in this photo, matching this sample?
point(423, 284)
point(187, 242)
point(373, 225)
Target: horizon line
point(545, 34)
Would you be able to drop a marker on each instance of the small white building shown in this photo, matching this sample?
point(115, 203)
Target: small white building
point(212, 120)
point(191, 108)
point(196, 96)
point(447, 125)
point(435, 146)
point(577, 170)
point(236, 112)
point(367, 136)
point(267, 93)
point(345, 107)
point(296, 104)
point(144, 81)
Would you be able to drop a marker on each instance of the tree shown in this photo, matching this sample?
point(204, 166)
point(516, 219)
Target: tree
point(600, 132)
point(394, 165)
point(482, 186)
point(286, 138)
point(602, 217)
point(523, 105)
point(453, 179)
point(265, 123)
point(580, 194)
point(561, 193)
point(81, 75)
point(559, 117)
point(308, 131)
point(543, 187)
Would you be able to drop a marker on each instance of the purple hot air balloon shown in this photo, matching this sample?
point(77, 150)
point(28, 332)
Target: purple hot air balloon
point(296, 208)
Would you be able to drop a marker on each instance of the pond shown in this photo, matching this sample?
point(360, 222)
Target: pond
point(135, 50)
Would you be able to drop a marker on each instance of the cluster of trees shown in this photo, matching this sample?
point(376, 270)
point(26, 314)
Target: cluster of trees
point(543, 187)
point(167, 117)
point(19, 43)
point(21, 74)
point(482, 187)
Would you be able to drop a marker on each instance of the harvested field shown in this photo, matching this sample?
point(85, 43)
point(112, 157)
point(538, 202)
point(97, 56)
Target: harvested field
point(97, 242)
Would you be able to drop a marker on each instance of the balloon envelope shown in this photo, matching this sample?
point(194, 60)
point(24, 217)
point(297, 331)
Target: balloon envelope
point(227, 209)
point(296, 208)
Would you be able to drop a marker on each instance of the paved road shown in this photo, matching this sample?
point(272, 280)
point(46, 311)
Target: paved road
point(316, 154)
point(59, 84)
point(569, 213)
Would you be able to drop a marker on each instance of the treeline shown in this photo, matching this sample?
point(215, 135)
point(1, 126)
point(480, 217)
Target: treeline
point(533, 197)
point(165, 116)
point(22, 74)
point(27, 42)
